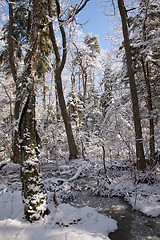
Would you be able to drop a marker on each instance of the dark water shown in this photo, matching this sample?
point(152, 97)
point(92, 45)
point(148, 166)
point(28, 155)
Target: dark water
point(132, 225)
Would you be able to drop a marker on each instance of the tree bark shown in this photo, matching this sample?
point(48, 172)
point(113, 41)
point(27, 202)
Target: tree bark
point(141, 165)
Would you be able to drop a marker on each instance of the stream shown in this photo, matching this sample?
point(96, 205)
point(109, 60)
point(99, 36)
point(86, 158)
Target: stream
point(132, 225)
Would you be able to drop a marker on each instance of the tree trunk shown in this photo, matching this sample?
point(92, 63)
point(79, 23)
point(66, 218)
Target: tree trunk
point(150, 111)
point(32, 186)
point(44, 91)
point(71, 142)
point(10, 43)
point(58, 117)
point(135, 106)
point(149, 96)
point(15, 147)
point(85, 78)
point(34, 195)
point(73, 110)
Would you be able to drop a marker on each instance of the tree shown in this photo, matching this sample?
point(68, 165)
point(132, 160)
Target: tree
point(144, 40)
point(72, 98)
point(149, 24)
point(60, 63)
point(16, 34)
point(135, 105)
point(106, 96)
point(84, 60)
point(26, 138)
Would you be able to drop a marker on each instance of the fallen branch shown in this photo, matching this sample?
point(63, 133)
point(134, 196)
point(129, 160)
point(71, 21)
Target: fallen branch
point(76, 175)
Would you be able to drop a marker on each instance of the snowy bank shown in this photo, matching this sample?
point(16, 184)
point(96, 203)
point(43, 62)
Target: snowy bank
point(142, 196)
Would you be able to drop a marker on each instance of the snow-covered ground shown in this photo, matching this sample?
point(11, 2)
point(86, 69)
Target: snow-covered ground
point(66, 222)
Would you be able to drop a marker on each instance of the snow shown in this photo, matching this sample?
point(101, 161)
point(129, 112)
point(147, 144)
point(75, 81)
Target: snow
point(10, 203)
point(149, 208)
point(79, 170)
point(64, 222)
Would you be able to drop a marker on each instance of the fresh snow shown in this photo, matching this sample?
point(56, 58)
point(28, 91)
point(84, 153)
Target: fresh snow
point(64, 222)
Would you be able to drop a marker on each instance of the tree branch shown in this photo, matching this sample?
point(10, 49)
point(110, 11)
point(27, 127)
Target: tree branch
point(131, 9)
point(61, 61)
point(52, 35)
point(11, 45)
point(83, 5)
point(75, 11)
point(63, 34)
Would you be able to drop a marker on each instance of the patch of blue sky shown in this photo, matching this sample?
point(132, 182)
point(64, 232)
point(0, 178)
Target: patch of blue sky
point(97, 22)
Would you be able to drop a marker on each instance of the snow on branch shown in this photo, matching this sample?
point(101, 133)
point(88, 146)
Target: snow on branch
point(76, 175)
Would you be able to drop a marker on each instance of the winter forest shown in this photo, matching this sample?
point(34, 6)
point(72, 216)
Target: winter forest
point(79, 125)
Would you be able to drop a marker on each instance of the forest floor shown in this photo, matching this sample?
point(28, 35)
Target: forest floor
point(62, 180)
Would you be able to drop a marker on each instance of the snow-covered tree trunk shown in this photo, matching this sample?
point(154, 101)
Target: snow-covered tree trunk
point(34, 195)
point(33, 188)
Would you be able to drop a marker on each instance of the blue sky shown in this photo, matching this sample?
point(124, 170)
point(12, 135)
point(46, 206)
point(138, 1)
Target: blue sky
point(98, 23)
